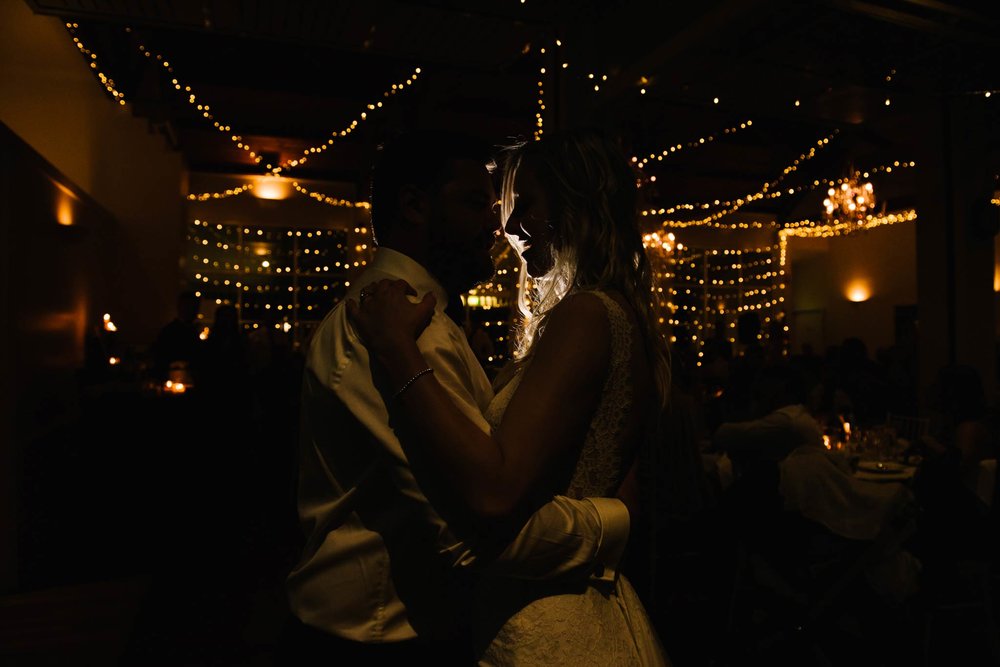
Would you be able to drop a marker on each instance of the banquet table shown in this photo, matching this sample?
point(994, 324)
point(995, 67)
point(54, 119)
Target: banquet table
point(821, 485)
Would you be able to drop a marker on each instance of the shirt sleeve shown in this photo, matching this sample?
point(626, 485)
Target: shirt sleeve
point(755, 434)
point(563, 538)
point(779, 432)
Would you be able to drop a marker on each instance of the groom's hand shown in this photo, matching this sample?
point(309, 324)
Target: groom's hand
point(386, 317)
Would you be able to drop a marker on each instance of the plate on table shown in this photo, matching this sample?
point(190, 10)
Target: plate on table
point(882, 467)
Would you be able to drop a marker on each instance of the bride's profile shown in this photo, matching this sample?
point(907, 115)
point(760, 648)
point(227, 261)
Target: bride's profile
point(589, 379)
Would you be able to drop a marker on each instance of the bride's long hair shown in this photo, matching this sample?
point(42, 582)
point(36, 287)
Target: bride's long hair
point(591, 193)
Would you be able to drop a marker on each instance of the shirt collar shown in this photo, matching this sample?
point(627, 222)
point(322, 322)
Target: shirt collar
point(399, 265)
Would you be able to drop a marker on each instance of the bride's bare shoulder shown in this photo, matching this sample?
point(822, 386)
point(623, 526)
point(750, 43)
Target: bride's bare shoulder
point(579, 321)
point(578, 309)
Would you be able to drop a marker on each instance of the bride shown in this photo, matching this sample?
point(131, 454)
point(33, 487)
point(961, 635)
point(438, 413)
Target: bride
point(589, 379)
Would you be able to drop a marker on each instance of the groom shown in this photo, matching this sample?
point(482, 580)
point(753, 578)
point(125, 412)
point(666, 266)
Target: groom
point(383, 576)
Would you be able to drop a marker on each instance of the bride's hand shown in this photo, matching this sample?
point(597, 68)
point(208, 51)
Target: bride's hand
point(386, 318)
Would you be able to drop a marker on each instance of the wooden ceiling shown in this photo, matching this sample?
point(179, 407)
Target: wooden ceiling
point(285, 74)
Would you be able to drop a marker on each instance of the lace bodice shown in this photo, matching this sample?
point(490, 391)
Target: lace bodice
point(598, 469)
point(561, 624)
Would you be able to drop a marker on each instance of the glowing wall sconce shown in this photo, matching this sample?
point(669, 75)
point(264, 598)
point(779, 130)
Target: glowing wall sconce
point(272, 187)
point(858, 291)
point(64, 211)
point(65, 214)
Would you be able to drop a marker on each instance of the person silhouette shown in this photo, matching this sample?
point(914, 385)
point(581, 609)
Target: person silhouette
point(178, 344)
point(384, 576)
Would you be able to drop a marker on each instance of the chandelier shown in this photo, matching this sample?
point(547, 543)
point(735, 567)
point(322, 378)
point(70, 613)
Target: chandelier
point(851, 204)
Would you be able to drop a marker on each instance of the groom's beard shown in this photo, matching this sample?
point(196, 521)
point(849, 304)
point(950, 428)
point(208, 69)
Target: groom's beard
point(459, 267)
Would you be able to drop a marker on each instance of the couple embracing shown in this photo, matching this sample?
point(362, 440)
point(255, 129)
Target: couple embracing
point(453, 521)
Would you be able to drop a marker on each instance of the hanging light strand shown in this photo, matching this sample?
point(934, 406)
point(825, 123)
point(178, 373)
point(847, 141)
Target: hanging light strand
point(804, 157)
point(331, 201)
point(677, 148)
point(540, 112)
point(350, 127)
point(774, 194)
point(740, 202)
point(91, 58)
point(232, 192)
point(203, 109)
point(814, 229)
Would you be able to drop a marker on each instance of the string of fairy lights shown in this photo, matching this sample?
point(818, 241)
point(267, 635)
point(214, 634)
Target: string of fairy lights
point(205, 111)
point(760, 194)
point(696, 143)
point(91, 58)
point(682, 224)
point(540, 85)
point(703, 291)
point(350, 127)
point(298, 187)
point(288, 277)
point(813, 229)
point(693, 285)
point(231, 192)
point(330, 201)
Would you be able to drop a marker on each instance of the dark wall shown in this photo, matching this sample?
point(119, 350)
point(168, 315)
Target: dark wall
point(60, 258)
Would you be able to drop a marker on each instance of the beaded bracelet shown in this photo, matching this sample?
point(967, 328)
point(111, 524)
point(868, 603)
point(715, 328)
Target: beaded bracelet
point(411, 381)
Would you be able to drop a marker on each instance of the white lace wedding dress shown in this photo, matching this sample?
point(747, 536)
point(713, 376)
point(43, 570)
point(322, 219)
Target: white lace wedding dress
point(596, 623)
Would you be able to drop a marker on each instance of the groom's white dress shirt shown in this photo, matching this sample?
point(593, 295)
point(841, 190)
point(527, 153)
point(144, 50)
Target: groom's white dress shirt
point(380, 564)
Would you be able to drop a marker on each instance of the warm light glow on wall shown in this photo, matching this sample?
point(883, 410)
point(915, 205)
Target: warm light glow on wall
point(270, 187)
point(64, 204)
point(996, 278)
point(64, 211)
point(858, 291)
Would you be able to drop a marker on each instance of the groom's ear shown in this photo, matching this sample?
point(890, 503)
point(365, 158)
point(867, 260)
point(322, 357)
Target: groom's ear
point(414, 206)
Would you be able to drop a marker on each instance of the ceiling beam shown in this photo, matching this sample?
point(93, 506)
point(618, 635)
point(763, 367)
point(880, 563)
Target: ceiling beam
point(721, 19)
point(947, 8)
point(913, 22)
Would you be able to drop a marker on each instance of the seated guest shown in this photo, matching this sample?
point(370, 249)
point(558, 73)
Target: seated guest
point(178, 342)
point(955, 521)
point(961, 435)
point(784, 423)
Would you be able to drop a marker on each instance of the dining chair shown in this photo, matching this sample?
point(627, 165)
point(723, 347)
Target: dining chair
point(796, 575)
point(970, 598)
point(908, 427)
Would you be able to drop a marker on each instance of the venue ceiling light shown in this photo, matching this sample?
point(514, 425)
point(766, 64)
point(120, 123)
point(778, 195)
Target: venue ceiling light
point(851, 203)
